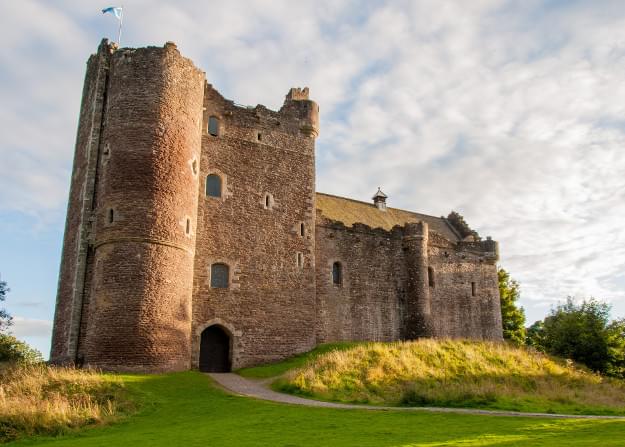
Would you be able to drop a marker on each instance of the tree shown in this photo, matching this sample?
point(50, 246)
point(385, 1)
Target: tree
point(6, 320)
point(512, 316)
point(14, 350)
point(583, 332)
point(535, 335)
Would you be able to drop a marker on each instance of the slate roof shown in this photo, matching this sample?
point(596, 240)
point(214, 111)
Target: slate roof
point(351, 211)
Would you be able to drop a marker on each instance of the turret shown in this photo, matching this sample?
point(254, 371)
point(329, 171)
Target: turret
point(135, 311)
point(417, 320)
point(307, 109)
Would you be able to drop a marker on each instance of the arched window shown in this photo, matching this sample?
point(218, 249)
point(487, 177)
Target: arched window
point(430, 276)
point(220, 276)
point(213, 126)
point(337, 274)
point(213, 185)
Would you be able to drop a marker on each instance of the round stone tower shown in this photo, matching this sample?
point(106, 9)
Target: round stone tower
point(144, 215)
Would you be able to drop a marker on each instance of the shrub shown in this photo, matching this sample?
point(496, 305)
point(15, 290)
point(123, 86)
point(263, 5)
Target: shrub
point(14, 350)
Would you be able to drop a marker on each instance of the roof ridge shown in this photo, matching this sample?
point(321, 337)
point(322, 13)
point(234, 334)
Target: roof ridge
point(373, 206)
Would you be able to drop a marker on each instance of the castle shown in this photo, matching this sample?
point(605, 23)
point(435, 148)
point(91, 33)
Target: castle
point(195, 239)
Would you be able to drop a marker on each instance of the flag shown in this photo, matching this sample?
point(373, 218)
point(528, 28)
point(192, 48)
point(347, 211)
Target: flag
point(116, 10)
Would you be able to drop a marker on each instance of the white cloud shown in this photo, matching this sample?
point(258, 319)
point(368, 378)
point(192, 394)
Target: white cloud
point(29, 327)
point(511, 113)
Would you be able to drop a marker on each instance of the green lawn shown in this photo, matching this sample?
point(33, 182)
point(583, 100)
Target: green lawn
point(186, 409)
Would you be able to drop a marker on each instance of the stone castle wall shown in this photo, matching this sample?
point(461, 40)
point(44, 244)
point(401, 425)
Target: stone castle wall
point(386, 292)
point(369, 302)
point(269, 307)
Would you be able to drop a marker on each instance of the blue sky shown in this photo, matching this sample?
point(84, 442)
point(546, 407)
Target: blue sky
point(510, 112)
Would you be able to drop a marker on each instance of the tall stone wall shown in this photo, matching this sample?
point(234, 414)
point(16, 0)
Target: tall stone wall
point(368, 303)
point(387, 294)
point(465, 295)
point(268, 308)
point(138, 306)
point(80, 211)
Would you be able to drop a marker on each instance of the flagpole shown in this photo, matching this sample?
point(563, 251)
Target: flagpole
point(119, 34)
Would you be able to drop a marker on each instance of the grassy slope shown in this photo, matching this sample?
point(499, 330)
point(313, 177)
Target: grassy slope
point(454, 373)
point(36, 399)
point(185, 409)
point(277, 369)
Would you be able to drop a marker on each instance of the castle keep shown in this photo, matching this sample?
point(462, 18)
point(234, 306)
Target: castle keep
point(195, 238)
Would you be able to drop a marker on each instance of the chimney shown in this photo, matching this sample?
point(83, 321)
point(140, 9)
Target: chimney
point(379, 200)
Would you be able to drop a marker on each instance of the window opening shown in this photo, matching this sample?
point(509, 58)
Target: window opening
point(213, 185)
point(337, 274)
point(431, 276)
point(111, 215)
point(259, 136)
point(302, 229)
point(300, 260)
point(473, 289)
point(213, 126)
point(219, 276)
point(194, 167)
point(269, 201)
point(188, 228)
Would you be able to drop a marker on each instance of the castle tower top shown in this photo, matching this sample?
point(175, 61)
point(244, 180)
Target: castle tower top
point(297, 94)
point(379, 200)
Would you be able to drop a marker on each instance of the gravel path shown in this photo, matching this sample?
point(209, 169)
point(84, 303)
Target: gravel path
point(259, 389)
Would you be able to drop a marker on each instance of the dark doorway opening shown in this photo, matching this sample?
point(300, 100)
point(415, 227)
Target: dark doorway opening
point(215, 350)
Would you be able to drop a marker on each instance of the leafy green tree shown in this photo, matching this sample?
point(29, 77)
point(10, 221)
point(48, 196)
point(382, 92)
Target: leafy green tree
point(535, 335)
point(583, 332)
point(5, 319)
point(512, 316)
point(14, 350)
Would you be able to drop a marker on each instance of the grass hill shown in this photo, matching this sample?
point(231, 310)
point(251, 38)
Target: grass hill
point(187, 409)
point(451, 373)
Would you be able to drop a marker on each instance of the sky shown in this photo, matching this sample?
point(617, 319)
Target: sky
point(509, 112)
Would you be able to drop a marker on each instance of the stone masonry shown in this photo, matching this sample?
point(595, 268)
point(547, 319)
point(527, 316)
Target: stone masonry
point(194, 231)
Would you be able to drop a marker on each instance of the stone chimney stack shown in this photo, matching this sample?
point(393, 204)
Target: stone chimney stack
point(379, 200)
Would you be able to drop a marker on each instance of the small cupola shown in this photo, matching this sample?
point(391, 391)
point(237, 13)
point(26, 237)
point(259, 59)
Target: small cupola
point(379, 200)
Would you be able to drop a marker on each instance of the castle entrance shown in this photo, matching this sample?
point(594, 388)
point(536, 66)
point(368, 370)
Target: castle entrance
point(214, 350)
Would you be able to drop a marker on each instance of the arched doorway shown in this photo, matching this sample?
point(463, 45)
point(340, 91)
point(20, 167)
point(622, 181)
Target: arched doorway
point(214, 350)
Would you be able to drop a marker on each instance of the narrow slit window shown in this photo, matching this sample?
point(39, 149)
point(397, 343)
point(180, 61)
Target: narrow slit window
point(473, 289)
point(188, 227)
point(194, 167)
point(111, 216)
point(213, 126)
point(302, 229)
point(430, 276)
point(269, 202)
point(337, 274)
point(213, 185)
point(259, 136)
point(219, 276)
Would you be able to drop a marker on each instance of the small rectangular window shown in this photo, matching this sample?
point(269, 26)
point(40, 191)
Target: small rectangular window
point(219, 276)
point(473, 289)
point(213, 126)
